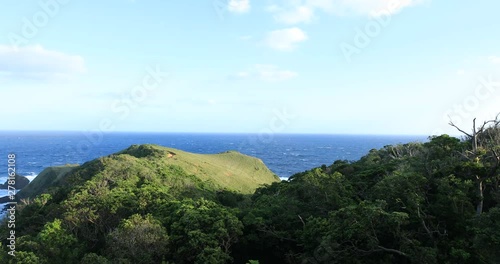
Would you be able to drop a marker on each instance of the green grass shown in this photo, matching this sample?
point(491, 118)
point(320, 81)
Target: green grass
point(230, 170)
point(45, 179)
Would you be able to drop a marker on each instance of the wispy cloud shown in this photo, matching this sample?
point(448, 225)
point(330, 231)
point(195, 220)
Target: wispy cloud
point(494, 59)
point(265, 72)
point(363, 7)
point(238, 6)
point(285, 39)
point(36, 62)
point(303, 11)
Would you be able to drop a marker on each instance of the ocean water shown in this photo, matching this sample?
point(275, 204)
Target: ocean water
point(284, 154)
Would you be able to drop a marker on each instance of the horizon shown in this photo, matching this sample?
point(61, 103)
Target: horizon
point(243, 66)
point(216, 133)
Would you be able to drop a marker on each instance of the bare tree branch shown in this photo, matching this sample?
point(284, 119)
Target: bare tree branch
point(301, 220)
point(455, 126)
point(393, 251)
point(380, 248)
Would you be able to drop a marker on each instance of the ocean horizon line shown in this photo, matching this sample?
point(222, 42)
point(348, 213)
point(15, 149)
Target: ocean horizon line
point(210, 133)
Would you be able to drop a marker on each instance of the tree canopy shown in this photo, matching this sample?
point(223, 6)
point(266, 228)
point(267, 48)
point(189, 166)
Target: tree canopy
point(407, 203)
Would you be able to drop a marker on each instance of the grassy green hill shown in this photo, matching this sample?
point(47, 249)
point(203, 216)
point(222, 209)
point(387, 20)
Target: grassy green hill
point(86, 205)
point(229, 170)
point(48, 177)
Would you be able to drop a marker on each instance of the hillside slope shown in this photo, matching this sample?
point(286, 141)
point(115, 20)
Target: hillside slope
point(229, 170)
point(44, 180)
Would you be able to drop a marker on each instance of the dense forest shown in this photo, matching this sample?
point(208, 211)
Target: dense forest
point(431, 202)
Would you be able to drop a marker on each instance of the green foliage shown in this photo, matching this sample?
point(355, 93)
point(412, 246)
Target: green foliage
point(408, 203)
point(487, 239)
point(231, 199)
point(53, 244)
point(57, 243)
point(139, 240)
point(362, 232)
point(93, 258)
point(23, 257)
point(202, 231)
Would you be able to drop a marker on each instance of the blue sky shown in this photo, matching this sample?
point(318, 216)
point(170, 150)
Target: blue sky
point(269, 66)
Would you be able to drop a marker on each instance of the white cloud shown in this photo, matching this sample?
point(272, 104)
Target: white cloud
point(460, 72)
point(238, 6)
point(362, 7)
point(494, 59)
point(265, 72)
point(285, 39)
point(35, 62)
point(303, 11)
point(242, 75)
point(272, 73)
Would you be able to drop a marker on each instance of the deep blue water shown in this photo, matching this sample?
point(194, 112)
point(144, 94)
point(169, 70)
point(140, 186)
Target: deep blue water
point(284, 154)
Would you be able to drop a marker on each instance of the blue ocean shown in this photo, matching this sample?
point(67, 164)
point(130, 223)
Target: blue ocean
point(284, 154)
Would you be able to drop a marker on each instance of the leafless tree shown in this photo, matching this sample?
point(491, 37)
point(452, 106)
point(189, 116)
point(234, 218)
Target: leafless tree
point(485, 140)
